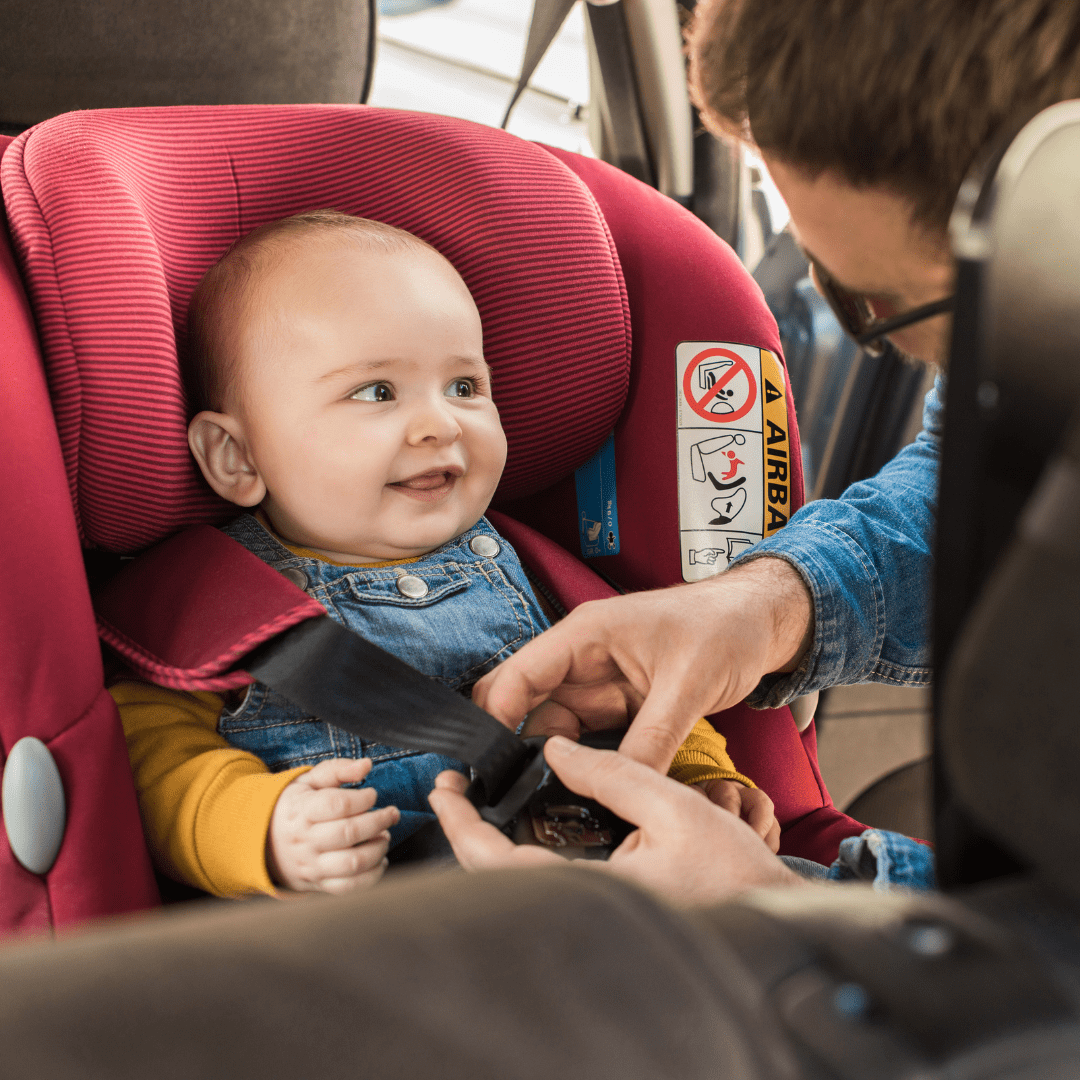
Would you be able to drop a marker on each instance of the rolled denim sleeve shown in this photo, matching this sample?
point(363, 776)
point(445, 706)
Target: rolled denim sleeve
point(886, 860)
point(866, 558)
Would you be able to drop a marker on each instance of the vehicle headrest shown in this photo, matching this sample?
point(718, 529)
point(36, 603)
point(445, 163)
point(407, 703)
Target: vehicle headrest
point(1008, 596)
point(115, 53)
point(116, 215)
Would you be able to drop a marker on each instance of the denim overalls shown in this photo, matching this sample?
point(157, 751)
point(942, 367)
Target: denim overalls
point(453, 614)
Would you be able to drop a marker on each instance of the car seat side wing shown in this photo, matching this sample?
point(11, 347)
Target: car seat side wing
point(50, 663)
point(183, 613)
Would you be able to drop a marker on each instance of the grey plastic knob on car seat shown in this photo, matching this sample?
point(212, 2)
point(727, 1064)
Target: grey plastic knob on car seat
point(32, 797)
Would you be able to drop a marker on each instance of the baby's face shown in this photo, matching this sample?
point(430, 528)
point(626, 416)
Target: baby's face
point(365, 400)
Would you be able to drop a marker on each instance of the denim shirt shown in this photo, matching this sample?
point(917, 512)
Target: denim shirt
point(886, 860)
point(453, 614)
point(866, 558)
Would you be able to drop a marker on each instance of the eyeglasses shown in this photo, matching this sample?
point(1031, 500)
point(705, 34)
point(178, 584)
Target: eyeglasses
point(859, 321)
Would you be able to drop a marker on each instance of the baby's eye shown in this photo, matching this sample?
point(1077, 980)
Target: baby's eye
point(461, 388)
point(378, 391)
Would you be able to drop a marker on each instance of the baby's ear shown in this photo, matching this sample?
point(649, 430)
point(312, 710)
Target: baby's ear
point(217, 441)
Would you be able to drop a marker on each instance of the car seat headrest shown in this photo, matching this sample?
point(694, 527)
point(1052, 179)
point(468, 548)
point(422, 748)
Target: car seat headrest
point(115, 216)
point(1008, 598)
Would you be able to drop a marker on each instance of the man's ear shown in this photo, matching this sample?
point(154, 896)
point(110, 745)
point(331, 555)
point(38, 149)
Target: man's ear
point(217, 441)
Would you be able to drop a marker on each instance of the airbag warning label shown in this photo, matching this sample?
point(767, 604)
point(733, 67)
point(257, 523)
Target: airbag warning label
point(734, 465)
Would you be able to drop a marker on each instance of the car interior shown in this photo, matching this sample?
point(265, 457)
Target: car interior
point(174, 133)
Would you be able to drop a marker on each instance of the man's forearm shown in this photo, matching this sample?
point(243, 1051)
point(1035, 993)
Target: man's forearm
point(776, 583)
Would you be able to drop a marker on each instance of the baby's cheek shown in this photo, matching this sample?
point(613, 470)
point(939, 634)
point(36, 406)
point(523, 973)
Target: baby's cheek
point(495, 455)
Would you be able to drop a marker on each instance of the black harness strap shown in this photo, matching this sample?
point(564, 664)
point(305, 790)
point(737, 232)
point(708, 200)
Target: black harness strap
point(340, 677)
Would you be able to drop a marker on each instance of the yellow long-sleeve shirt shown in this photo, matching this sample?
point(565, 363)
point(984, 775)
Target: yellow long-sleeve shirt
point(206, 805)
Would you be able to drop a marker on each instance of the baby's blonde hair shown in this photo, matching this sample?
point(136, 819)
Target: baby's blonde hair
point(207, 364)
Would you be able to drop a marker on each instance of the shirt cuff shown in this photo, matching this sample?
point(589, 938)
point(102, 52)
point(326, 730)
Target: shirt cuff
point(887, 860)
point(231, 827)
point(697, 772)
point(703, 756)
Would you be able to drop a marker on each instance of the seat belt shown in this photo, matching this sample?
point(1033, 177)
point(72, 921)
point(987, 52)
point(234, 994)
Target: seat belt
point(182, 613)
point(547, 19)
point(623, 120)
point(338, 676)
point(342, 678)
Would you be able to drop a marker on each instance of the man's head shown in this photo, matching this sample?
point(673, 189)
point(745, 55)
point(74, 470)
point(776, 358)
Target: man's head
point(338, 369)
point(870, 113)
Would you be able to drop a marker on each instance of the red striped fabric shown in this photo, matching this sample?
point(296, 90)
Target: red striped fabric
point(116, 214)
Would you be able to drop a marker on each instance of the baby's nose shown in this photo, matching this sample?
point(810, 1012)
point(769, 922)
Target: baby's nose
point(435, 422)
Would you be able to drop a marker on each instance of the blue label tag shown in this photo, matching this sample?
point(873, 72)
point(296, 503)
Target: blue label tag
point(598, 509)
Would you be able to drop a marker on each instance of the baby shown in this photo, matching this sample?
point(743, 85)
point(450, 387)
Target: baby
point(337, 365)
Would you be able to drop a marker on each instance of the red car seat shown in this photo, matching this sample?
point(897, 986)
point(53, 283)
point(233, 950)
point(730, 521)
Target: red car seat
point(587, 281)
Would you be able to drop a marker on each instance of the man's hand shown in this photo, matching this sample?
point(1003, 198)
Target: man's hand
point(662, 659)
point(684, 848)
point(751, 804)
point(325, 838)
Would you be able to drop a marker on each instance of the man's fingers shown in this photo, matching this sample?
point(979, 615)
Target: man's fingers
point(525, 679)
point(338, 771)
point(452, 780)
point(478, 845)
point(551, 718)
point(632, 790)
point(655, 735)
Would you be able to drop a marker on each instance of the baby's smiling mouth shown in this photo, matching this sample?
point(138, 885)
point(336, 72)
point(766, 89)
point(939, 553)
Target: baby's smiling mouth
point(430, 485)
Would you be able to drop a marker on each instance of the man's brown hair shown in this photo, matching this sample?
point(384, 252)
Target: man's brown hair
point(900, 94)
point(207, 363)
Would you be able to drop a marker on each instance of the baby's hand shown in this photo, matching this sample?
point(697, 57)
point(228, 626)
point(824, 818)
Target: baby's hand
point(751, 804)
point(324, 837)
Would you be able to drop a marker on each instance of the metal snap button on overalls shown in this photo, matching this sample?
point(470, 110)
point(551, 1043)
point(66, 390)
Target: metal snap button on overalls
point(487, 547)
point(296, 576)
point(411, 586)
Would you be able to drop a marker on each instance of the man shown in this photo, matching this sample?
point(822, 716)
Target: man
point(869, 114)
point(869, 152)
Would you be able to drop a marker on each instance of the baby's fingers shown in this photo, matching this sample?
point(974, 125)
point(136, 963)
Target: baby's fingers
point(347, 832)
point(727, 794)
point(759, 812)
point(338, 771)
point(334, 803)
point(352, 862)
point(337, 886)
point(772, 837)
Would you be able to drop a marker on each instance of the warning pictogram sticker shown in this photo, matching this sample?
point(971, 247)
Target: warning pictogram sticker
point(719, 386)
point(734, 465)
